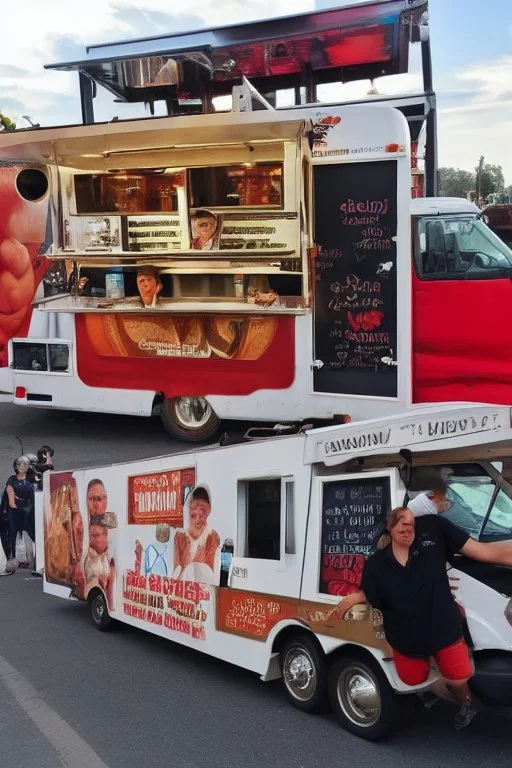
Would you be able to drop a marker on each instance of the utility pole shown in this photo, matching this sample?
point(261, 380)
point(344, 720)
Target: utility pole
point(479, 171)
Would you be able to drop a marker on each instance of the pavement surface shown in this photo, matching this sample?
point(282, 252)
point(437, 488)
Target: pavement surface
point(72, 696)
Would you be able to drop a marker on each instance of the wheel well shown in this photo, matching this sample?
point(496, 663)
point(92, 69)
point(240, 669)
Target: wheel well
point(351, 649)
point(92, 594)
point(291, 631)
point(157, 402)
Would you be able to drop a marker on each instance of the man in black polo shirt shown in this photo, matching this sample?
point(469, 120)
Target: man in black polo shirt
point(408, 582)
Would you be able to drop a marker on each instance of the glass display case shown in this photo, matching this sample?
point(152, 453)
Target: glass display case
point(144, 191)
point(248, 185)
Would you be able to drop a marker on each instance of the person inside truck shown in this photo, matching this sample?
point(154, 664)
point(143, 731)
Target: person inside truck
point(204, 230)
point(408, 582)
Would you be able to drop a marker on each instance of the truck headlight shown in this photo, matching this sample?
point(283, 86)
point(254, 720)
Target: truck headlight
point(508, 612)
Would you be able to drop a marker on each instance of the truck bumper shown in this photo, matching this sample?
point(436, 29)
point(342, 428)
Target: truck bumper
point(492, 681)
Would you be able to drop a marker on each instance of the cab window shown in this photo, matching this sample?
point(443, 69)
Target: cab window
point(456, 247)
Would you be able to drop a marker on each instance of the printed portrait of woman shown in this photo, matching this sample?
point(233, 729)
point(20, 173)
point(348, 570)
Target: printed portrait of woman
point(205, 227)
point(197, 549)
point(64, 537)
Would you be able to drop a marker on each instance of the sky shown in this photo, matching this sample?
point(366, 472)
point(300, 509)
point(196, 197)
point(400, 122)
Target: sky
point(471, 48)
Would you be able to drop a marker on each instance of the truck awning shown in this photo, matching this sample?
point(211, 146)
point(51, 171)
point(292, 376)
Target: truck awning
point(92, 144)
point(362, 41)
point(424, 429)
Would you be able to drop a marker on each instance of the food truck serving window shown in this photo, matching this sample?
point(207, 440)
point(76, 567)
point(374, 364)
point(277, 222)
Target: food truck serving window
point(249, 184)
point(353, 519)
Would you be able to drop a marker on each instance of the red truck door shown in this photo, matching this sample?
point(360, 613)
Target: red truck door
point(462, 311)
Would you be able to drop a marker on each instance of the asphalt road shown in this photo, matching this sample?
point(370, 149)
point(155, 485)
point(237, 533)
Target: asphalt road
point(79, 439)
point(72, 696)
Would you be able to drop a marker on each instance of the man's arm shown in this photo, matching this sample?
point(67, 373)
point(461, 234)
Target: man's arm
point(496, 552)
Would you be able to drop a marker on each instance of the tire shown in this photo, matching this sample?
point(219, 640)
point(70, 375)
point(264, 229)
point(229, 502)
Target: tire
point(99, 611)
point(363, 700)
point(304, 672)
point(191, 419)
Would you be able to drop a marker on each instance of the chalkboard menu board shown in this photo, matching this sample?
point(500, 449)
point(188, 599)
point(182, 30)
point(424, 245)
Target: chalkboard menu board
point(355, 278)
point(353, 519)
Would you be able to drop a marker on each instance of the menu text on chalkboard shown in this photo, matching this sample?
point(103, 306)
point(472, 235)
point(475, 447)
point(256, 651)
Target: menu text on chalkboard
point(353, 519)
point(356, 278)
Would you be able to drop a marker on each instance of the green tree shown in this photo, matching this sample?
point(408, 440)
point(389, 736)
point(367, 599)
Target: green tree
point(6, 124)
point(454, 182)
point(491, 180)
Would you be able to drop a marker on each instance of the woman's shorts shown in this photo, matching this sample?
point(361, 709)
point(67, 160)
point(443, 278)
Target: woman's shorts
point(453, 662)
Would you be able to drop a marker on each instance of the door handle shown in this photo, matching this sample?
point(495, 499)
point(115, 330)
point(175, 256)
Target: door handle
point(317, 364)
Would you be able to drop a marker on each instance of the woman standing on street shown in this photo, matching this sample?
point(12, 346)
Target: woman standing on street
point(20, 501)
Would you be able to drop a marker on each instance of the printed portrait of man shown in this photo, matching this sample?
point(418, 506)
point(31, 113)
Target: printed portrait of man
point(149, 286)
point(99, 568)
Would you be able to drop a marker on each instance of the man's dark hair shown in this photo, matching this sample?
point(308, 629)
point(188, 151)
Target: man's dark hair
point(200, 494)
point(150, 270)
point(41, 452)
point(95, 482)
point(202, 213)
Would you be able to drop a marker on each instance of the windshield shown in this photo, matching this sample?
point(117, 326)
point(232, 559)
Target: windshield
point(476, 504)
point(459, 245)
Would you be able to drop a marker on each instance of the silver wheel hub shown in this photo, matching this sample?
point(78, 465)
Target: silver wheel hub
point(299, 673)
point(192, 412)
point(359, 696)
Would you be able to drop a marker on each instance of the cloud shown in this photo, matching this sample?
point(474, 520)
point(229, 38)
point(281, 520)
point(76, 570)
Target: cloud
point(58, 30)
point(475, 115)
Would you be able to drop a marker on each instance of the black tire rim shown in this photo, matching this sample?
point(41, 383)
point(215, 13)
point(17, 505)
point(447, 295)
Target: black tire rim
point(99, 609)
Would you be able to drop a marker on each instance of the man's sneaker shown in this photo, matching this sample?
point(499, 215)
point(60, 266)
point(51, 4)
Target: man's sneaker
point(464, 716)
point(10, 566)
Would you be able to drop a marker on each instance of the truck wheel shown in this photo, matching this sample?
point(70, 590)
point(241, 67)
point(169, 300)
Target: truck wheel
point(99, 611)
point(304, 674)
point(191, 419)
point(362, 698)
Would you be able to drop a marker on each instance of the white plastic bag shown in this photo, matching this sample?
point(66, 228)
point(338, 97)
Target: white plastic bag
point(29, 550)
point(21, 551)
point(3, 559)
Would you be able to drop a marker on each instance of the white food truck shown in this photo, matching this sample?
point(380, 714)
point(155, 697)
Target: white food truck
point(325, 287)
point(241, 551)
